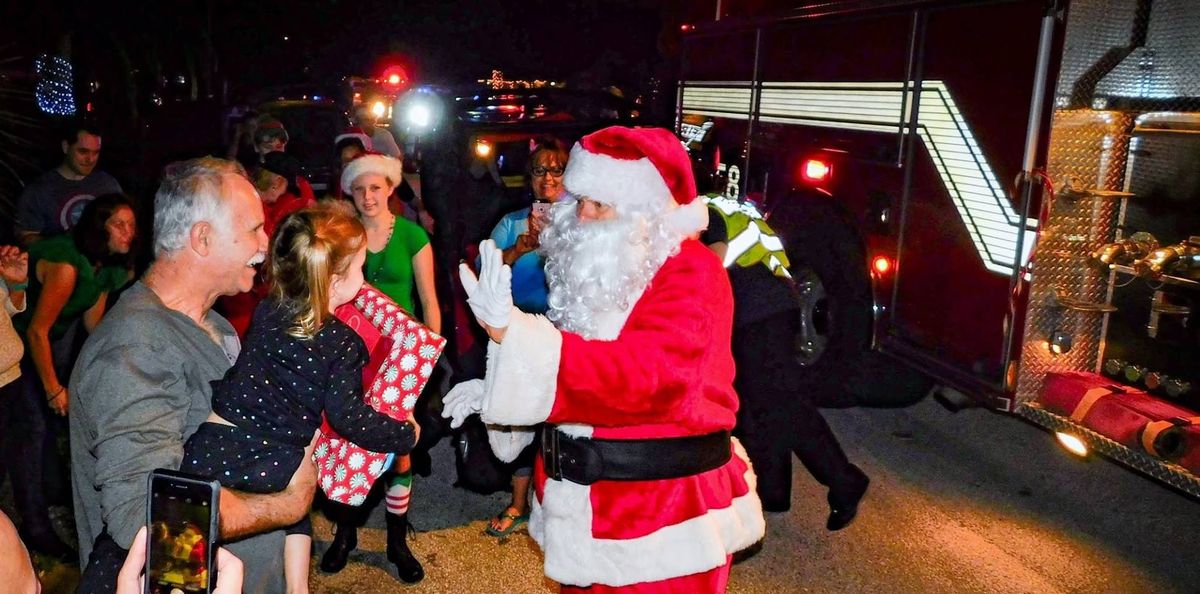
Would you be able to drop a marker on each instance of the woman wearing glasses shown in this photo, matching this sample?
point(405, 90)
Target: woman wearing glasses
point(517, 234)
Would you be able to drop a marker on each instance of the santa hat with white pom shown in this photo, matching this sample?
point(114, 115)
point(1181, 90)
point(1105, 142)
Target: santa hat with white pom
point(625, 167)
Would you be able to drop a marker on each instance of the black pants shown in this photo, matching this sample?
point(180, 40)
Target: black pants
point(777, 418)
point(29, 436)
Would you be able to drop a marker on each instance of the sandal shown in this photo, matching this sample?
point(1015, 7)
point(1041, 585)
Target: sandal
point(515, 521)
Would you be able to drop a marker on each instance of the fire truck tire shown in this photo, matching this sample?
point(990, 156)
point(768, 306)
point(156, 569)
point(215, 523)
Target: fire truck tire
point(834, 346)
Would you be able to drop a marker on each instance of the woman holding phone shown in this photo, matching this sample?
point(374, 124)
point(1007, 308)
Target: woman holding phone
point(517, 235)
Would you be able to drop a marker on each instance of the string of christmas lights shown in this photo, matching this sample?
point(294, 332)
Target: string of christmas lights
point(55, 90)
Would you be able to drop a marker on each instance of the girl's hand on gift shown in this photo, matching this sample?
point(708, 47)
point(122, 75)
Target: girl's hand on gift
point(416, 427)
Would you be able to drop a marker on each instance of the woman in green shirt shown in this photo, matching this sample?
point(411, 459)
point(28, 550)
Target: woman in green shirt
point(399, 260)
point(69, 281)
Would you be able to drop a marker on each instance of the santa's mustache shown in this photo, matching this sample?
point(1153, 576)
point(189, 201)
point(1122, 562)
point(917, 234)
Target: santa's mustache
point(593, 267)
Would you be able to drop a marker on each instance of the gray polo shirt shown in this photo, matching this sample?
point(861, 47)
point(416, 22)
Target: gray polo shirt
point(139, 389)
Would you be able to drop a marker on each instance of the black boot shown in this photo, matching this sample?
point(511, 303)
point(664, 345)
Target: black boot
point(345, 540)
point(407, 566)
point(844, 498)
point(422, 463)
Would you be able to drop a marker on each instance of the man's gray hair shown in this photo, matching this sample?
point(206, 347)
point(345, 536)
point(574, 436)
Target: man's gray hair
point(191, 192)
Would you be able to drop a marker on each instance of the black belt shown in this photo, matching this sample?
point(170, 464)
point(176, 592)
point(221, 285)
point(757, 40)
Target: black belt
point(586, 461)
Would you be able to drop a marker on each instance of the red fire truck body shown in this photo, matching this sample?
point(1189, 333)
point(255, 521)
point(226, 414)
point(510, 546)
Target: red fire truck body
point(912, 154)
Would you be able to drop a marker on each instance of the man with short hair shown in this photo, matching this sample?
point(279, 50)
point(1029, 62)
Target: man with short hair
point(270, 136)
point(382, 140)
point(140, 387)
point(639, 486)
point(52, 203)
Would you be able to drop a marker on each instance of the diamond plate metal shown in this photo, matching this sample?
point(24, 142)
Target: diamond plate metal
point(1090, 147)
point(1105, 85)
point(1172, 474)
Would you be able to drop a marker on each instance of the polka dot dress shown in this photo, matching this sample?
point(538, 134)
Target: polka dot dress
point(274, 396)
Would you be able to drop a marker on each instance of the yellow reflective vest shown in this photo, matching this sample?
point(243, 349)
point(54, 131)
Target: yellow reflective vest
point(750, 240)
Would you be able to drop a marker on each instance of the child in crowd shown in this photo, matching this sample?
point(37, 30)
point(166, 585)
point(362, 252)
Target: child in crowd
point(299, 361)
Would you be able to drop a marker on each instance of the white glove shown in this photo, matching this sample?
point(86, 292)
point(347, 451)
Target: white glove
point(490, 295)
point(462, 401)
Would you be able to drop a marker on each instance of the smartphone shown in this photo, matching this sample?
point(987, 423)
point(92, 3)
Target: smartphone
point(182, 519)
point(541, 209)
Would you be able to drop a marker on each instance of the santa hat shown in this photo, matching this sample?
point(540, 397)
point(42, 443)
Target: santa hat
point(384, 165)
point(625, 167)
point(270, 130)
point(354, 133)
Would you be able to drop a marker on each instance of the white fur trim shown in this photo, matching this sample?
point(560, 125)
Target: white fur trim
point(562, 526)
point(522, 373)
point(688, 218)
point(384, 165)
point(508, 442)
point(576, 430)
point(618, 182)
point(362, 138)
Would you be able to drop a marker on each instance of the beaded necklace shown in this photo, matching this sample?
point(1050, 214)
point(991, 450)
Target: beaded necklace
point(373, 274)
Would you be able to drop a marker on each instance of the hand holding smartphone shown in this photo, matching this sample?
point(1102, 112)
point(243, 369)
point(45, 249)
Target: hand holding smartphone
point(539, 217)
point(183, 520)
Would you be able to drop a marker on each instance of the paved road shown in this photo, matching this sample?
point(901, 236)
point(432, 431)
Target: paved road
point(973, 502)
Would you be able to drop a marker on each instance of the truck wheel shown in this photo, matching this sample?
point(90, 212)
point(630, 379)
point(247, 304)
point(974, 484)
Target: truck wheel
point(833, 344)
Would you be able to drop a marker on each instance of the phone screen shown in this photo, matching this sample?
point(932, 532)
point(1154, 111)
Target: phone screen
point(178, 545)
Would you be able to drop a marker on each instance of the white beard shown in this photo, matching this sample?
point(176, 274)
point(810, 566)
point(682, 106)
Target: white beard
point(598, 268)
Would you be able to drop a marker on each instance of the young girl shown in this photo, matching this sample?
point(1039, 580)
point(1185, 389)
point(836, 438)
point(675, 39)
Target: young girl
point(298, 361)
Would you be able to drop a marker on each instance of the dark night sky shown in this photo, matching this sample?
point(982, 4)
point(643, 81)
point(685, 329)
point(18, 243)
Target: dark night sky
point(444, 41)
point(129, 55)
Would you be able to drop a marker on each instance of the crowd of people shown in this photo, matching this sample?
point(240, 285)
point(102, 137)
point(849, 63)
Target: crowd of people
point(611, 387)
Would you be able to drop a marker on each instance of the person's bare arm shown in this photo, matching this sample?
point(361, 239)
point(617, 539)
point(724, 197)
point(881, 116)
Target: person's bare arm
point(16, 570)
point(422, 264)
point(525, 243)
point(245, 514)
point(297, 551)
point(92, 316)
point(58, 282)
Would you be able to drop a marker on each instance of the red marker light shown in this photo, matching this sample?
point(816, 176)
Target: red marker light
point(686, 27)
point(881, 264)
point(394, 76)
point(815, 171)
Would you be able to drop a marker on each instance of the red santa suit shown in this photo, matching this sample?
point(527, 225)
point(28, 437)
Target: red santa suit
point(663, 368)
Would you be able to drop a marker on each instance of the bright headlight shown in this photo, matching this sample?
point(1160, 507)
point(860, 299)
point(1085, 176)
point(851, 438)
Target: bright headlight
point(378, 109)
point(419, 115)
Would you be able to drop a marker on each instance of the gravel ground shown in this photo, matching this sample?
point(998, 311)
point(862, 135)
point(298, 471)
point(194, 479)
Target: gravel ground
point(973, 502)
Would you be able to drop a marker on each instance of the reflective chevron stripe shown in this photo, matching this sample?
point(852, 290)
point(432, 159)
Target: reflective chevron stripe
point(752, 242)
point(982, 204)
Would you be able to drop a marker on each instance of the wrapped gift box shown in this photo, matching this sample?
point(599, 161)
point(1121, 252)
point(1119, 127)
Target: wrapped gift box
point(403, 355)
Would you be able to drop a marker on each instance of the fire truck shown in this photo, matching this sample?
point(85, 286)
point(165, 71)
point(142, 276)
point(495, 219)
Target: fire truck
point(998, 200)
point(379, 93)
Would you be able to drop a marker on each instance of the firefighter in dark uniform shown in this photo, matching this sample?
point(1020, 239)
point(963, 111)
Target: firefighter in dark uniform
point(776, 417)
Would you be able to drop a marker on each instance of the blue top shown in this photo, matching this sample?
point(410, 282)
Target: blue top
point(528, 275)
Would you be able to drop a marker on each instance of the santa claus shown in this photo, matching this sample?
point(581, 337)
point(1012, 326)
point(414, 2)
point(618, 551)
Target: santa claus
point(639, 486)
